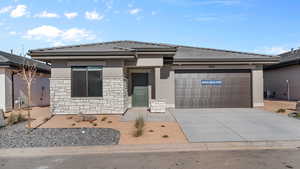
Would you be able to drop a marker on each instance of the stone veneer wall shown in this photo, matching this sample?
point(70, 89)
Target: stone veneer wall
point(114, 100)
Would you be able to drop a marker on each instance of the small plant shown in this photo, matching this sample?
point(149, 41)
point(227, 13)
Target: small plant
point(151, 131)
point(281, 110)
point(103, 118)
point(165, 136)
point(162, 126)
point(109, 122)
point(21, 117)
point(73, 124)
point(95, 124)
point(139, 125)
point(15, 118)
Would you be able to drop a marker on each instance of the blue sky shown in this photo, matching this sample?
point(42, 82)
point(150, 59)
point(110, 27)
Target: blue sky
point(261, 26)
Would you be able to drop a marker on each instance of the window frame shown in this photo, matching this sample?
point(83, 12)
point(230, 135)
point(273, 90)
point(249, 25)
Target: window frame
point(87, 69)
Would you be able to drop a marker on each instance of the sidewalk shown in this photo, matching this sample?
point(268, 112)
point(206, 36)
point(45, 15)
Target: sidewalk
point(226, 146)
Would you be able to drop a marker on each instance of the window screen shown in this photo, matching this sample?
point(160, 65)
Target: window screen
point(86, 81)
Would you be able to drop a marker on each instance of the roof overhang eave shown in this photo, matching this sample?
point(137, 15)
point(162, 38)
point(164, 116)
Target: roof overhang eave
point(283, 64)
point(269, 60)
point(45, 58)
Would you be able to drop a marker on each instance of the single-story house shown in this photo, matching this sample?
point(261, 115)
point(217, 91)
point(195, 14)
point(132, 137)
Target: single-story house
point(282, 80)
point(111, 77)
point(13, 89)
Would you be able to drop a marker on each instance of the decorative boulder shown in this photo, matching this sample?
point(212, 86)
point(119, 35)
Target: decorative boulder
point(2, 121)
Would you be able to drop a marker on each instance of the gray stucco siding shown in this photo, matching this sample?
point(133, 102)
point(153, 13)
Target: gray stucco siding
point(276, 81)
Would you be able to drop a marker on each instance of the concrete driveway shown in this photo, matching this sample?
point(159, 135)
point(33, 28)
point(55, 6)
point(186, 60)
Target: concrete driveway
point(219, 125)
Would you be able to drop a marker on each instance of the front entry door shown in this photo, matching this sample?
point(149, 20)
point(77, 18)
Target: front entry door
point(140, 90)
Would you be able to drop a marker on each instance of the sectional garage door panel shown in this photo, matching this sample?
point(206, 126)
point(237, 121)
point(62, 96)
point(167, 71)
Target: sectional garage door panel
point(224, 88)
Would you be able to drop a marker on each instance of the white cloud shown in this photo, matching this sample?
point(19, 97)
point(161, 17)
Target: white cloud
point(19, 11)
point(46, 14)
point(45, 31)
point(57, 43)
point(5, 9)
point(93, 15)
point(75, 34)
point(135, 11)
point(12, 33)
point(55, 35)
point(71, 15)
point(275, 50)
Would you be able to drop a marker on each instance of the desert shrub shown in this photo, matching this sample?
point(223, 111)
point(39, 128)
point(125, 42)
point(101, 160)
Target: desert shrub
point(103, 118)
point(139, 125)
point(151, 131)
point(15, 118)
point(139, 122)
point(165, 136)
point(281, 110)
point(109, 122)
point(95, 124)
point(73, 124)
point(21, 117)
point(162, 126)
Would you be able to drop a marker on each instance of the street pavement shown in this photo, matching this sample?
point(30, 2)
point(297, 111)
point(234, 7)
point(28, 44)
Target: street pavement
point(231, 159)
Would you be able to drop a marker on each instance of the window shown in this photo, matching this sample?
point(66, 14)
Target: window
point(86, 81)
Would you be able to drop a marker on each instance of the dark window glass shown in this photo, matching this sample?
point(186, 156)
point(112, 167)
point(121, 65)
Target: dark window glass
point(86, 81)
point(79, 84)
point(94, 83)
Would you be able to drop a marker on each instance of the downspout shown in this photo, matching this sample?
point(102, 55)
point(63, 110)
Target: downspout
point(13, 90)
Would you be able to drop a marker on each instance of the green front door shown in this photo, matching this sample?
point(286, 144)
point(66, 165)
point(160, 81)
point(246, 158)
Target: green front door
point(140, 90)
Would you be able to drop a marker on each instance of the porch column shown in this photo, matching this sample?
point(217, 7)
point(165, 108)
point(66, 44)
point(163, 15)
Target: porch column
point(257, 87)
point(157, 83)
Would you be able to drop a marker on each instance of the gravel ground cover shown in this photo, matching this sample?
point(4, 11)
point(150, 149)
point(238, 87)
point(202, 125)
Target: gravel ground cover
point(17, 136)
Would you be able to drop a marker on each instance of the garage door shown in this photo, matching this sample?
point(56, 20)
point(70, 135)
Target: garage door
point(213, 89)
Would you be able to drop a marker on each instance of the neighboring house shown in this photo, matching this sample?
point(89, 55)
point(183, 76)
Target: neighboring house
point(110, 77)
point(282, 80)
point(13, 88)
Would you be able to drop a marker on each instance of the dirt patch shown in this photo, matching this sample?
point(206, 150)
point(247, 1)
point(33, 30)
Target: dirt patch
point(275, 105)
point(153, 132)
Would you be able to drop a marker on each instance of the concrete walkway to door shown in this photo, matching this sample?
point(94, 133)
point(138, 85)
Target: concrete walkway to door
point(219, 125)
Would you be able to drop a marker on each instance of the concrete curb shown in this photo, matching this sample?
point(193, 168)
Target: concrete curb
point(117, 149)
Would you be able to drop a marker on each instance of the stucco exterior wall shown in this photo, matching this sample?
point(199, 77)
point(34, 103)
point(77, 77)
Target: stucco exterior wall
point(40, 97)
point(114, 100)
point(40, 90)
point(165, 85)
point(275, 82)
point(257, 87)
point(3, 98)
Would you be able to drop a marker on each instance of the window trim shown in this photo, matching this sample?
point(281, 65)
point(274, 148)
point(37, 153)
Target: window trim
point(86, 69)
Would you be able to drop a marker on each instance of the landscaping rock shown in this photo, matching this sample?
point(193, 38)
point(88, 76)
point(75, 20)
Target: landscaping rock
point(17, 136)
point(84, 117)
point(2, 121)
